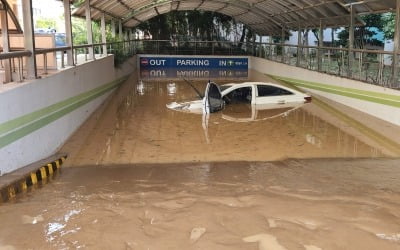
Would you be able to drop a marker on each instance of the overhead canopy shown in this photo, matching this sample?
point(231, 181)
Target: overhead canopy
point(266, 17)
point(13, 24)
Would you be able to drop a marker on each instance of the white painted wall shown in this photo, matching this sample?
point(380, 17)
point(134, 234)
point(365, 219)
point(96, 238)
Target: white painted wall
point(384, 112)
point(18, 99)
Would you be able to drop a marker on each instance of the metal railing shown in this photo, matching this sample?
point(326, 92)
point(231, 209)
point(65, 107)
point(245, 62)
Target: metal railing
point(13, 63)
point(371, 66)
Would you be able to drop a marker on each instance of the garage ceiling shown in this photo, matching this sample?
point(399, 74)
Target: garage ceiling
point(266, 17)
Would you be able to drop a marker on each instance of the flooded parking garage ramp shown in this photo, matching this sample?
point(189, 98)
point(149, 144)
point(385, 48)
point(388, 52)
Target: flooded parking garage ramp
point(142, 176)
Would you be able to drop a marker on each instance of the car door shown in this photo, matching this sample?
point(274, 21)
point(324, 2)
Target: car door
point(212, 101)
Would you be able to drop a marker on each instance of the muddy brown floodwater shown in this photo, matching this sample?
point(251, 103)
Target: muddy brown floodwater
point(141, 176)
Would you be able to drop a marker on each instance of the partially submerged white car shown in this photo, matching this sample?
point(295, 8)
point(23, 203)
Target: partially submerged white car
point(258, 94)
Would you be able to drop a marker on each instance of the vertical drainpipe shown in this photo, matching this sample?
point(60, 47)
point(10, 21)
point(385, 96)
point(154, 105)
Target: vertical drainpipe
point(351, 42)
point(89, 29)
point(6, 43)
point(282, 43)
point(103, 33)
point(298, 58)
point(320, 45)
point(68, 32)
point(396, 46)
point(29, 39)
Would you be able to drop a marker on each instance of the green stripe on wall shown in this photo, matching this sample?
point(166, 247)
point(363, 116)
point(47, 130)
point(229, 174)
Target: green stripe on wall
point(26, 124)
point(381, 98)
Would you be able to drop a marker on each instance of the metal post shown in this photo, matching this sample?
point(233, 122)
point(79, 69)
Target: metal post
point(103, 34)
point(396, 46)
point(68, 33)
point(89, 29)
point(320, 44)
point(307, 49)
point(298, 58)
point(29, 39)
point(6, 43)
point(351, 43)
point(253, 53)
point(282, 43)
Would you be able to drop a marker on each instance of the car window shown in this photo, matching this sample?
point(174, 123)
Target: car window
point(239, 95)
point(265, 90)
point(223, 87)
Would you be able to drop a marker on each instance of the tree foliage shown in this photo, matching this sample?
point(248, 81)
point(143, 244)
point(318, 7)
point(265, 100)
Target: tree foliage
point(45, 23)
point(389, 25)
point(364, 34)
point(190, 25)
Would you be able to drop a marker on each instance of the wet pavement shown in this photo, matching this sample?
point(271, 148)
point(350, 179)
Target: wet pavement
point(141, 176)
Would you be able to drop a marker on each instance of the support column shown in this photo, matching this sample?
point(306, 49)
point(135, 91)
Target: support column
point(282, 43)
point(298, 58)
point(113, 28)
point(320, 45)
point(89, 31)
point(29, 39)
point(120, 35)
point(396, 48)
point(68, 32)
point(6, 43)
point(260, 52)
point(351, 43)
point(103, 33)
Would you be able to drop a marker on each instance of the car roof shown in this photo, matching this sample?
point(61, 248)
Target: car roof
point(246, 84)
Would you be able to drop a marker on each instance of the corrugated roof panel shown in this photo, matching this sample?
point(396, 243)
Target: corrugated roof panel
point(164, 8)
point(189, 5)
point(276, 13)
point(146, 15)
point(212, 6)
point(234, 11)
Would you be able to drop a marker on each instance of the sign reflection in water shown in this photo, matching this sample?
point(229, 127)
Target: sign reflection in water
point(210, 74)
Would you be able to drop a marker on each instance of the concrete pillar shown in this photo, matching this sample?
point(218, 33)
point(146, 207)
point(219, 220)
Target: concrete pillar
point(298, 58)
point(396, 48)
point(103, 33)
point(29, 39)
point(89, 31)
point(120, 35)
point(320, 44)
point(6, 43)
point(351, 42)
point(68, 32)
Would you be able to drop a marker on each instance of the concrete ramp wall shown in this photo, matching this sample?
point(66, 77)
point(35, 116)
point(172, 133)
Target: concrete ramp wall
point(383, 103)
point(38, 116)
